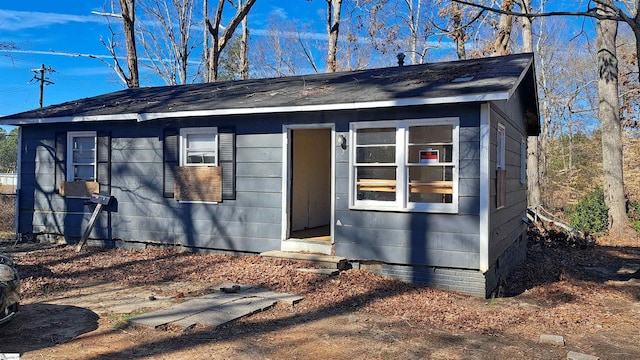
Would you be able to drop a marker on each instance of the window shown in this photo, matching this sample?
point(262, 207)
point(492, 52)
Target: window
point(500, 150)
point(199, 146)
point(81, 156)
point(501, 170)
point(409, 165)
point(523, 162)
point(198, 178)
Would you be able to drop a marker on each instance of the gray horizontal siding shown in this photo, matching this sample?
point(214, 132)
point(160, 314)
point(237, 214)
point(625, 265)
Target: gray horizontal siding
point(506, 225)
point(251, 222)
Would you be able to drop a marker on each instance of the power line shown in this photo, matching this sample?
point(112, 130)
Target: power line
point(39, 76)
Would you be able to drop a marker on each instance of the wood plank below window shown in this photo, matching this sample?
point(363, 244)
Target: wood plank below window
point(501, 188)
point(198, 183)
point(80, 188)
point(432, 187)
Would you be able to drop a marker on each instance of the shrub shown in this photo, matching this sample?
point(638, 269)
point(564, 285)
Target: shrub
point(590, 213)
point(633, 211)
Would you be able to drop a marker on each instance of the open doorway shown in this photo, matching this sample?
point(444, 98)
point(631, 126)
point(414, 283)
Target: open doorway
point(310, 179)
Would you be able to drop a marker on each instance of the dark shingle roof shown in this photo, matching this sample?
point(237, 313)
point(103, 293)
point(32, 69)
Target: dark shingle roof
point(456, 81)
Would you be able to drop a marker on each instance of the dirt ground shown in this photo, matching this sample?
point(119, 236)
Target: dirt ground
point(76, 305)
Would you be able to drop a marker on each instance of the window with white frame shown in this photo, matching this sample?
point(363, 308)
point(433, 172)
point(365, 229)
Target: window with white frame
point(500, 150)
point(199, 146)
point(81, 156)
point(405, 165)
point(501, 169)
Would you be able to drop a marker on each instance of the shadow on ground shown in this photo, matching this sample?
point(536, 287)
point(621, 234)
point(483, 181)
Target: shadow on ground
point(39, 326)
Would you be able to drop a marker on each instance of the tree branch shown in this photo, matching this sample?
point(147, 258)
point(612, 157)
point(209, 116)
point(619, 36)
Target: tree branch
point(591, 12)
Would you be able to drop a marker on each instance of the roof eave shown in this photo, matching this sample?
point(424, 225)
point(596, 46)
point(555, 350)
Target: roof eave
point(68, 119)
point(482, 97)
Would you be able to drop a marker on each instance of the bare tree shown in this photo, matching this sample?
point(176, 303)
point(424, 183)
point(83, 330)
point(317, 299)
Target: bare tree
point(285, 48)
point(333, 29)
point(501, 44)
point(458, 22)
point(128, 19)
point(534, 175)
point(219, 41)
point(111, 44)
point(607, 16)
point(166, 38)
point(244, 45)
point(609, 108)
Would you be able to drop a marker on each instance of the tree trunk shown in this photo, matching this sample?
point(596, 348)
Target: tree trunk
point(333, 27)
point(609, 113)
point(205, 42)
point(244, 47)
point(459, 33)
point(534, 195)
point(501, 45)
point(414, 27)
point(129, 17)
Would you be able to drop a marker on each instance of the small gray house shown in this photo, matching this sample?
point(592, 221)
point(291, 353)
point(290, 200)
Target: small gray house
point(419, 170)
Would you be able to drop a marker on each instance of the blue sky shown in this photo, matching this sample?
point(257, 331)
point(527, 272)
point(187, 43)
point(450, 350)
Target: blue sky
point(44, 32)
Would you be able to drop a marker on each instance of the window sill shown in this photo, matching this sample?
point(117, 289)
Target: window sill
point(432, 210)
point(197, 202)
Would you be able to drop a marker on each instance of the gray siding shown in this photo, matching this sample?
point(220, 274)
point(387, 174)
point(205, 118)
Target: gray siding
point(253, 221)
point(506, 228)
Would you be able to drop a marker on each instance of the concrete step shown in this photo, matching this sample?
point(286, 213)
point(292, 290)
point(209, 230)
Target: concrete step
point(325, 261)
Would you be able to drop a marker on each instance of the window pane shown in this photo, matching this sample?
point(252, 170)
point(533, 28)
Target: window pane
point(83, 172)
point(201, 148)
point(376, 154)
point(431, 134)
point(84, 150)
point(431, 184)
point(376, 136)
point(376, 183)
point(201, 141)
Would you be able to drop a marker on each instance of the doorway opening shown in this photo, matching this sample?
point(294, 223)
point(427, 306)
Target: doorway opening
point(310, 181)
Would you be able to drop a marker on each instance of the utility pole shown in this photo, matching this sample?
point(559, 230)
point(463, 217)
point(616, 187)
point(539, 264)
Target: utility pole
point(39, 76)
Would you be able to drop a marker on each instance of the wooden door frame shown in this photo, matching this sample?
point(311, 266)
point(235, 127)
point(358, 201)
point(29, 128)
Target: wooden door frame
point(292, 244)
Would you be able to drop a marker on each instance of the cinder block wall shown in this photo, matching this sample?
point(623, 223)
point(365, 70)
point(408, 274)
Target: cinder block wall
point(470, 282)
point(464, 281)
point(513, 256)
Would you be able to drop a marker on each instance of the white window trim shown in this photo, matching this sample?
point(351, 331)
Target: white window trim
point(196, 130)
point(402, 203)
point(70, 136)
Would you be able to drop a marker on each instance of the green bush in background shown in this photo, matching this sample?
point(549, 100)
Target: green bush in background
point(590, 213)
point(633, 211)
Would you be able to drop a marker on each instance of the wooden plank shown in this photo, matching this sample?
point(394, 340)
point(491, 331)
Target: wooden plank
point(290, 299)
point(433, 187)
point(501, 188)
point(79, 188)
point(198, 183)
point(227, 312)
point(181, 311)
